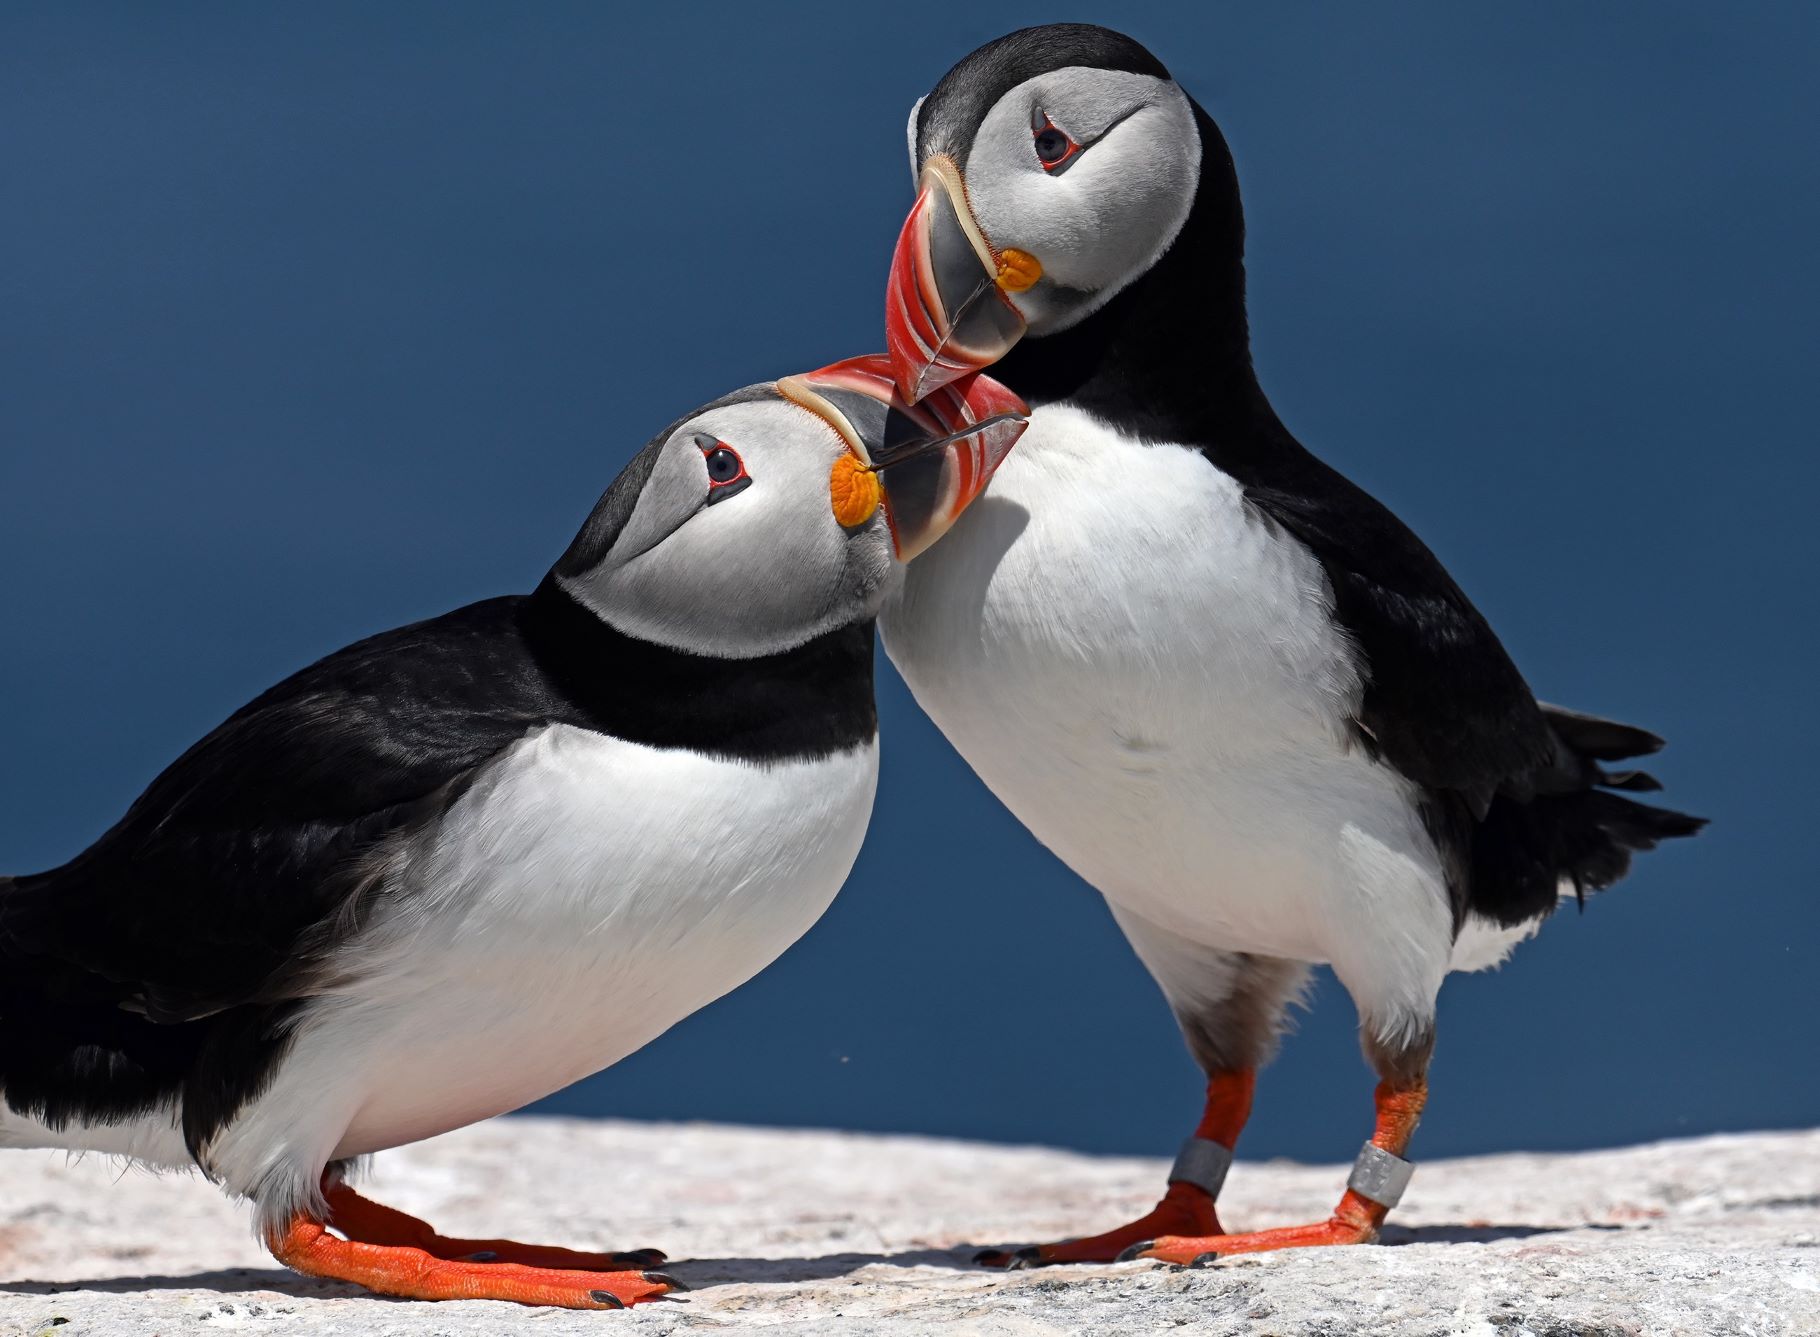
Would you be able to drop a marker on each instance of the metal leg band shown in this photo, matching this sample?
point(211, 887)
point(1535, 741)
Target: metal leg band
point(1201, 1163)
point(1380, 1176)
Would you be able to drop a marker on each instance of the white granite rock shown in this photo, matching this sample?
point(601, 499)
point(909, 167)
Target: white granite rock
point(801, 1232)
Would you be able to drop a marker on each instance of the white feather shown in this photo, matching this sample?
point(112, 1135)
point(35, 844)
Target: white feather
point(1485, 944)
point(916, 108)
point(152, 1139)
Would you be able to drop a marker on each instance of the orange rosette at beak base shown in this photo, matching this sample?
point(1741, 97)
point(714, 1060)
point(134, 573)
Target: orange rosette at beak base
point(1018, 271)
point(927, 461)
point(854, 490)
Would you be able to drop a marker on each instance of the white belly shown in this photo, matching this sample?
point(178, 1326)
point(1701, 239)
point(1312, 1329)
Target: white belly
point(583, 897)
point(1147, 674)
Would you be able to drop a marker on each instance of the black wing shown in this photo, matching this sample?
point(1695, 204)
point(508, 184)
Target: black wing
point(1514, 793)
point(260, 847)
point(1443, 703)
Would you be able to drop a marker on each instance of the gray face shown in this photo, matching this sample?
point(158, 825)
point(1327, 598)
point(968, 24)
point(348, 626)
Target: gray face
point(720, 537)
point(1102, 215)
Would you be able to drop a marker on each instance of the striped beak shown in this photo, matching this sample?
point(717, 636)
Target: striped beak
point(931, 458)
point(948, 311)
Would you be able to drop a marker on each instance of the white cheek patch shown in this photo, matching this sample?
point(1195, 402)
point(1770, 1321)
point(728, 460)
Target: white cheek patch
point(1118, 207)
point(916, 166)
point(761, 572)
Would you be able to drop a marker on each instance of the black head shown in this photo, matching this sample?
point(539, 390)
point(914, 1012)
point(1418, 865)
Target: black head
point(946, 119)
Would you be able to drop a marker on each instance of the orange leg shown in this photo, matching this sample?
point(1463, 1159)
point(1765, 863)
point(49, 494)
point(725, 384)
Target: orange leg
point(1186, 1209)
point(368, 1222)
point(1354, 1221)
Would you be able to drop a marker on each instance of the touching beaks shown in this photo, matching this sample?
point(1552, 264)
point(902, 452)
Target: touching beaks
point(947, 309)
point(928, 460)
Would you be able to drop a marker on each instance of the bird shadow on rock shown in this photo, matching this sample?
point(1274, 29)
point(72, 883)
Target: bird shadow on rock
point(692, 1272)
point(698, 1272)
point(1485, 1234)
point(231, 1281)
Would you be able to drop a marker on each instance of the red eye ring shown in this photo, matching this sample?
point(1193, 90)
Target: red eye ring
point(726, 470)
point(1055, 147)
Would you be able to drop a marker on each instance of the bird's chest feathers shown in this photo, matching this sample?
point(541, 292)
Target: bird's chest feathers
point(1117, 594)
point(1148, 674)
point(635, 884)
point(584, 896)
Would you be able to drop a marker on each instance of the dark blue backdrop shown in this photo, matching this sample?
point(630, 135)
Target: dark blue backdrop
point(315, 319)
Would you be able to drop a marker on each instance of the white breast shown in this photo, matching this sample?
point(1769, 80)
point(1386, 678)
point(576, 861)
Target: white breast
point(1147, 673)
point(583, 897)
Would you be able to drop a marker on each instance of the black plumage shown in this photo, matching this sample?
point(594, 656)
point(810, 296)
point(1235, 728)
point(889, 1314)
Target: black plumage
point(167, 959)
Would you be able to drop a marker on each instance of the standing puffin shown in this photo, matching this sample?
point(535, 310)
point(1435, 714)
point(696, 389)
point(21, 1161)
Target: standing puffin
point(456, 866)
point(1227, 687)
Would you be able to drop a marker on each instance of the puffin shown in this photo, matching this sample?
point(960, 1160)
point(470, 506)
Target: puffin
point(458, 865)
point(1226, 686)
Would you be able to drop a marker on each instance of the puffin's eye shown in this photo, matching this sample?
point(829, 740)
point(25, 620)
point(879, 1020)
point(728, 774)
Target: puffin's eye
point(726, 471)
point(1054, 149)
point(723, 465)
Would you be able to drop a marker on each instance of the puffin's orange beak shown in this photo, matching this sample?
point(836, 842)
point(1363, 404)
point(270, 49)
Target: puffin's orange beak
point(948, 311)
point(929, 459)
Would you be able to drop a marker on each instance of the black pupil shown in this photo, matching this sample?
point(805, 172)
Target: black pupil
point(1051, 145)
point(723, 465)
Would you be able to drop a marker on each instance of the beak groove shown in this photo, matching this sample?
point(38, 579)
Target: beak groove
point(947, 309)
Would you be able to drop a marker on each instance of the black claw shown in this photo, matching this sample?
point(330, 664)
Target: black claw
point(1130, 1255)
point(1204, 1260)
point(993, 1257)
point(479, 1256)
point(607, 1298)
point(637, 1258)
point(663, 1279)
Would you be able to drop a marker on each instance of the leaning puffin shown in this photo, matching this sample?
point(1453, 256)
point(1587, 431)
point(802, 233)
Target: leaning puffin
point(1223, 684)
point(456, 866)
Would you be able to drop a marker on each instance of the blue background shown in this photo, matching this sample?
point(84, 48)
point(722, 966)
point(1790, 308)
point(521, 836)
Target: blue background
point(315, 319)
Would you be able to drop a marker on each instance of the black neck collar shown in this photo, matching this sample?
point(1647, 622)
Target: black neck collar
point(1169, 358)
point(807, 702)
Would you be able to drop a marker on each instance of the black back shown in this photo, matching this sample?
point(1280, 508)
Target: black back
point(164, 962)
point(951, 114)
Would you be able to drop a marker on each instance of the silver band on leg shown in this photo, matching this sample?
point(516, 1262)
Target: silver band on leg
point(1201, 1163)
point(1380, 1176)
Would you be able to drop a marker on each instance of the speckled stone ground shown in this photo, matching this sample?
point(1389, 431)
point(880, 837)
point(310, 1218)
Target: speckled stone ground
point(802, 1232)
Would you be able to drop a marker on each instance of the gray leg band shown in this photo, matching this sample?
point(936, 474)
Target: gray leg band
point(1380, 1176)
point(1201, 1163)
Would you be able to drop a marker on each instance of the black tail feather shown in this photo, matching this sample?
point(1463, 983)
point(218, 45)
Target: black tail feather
point(1578, 834)
point(1601, 740)
point(1602, 832)
point(1635, 782)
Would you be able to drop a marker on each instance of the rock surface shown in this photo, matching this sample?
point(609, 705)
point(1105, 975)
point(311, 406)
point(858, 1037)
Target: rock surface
point(802, 1232)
